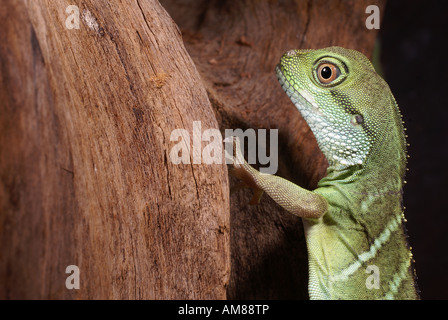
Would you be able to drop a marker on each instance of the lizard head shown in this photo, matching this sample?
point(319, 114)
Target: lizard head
point(347, 105)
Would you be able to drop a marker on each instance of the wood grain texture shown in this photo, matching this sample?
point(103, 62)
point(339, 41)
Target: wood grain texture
point(235, 46)
point(85, 175)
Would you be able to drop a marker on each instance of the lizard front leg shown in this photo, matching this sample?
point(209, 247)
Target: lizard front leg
point(293, 198)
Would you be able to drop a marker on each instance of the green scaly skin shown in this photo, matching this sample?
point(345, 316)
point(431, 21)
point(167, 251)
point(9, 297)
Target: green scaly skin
point(354, 219)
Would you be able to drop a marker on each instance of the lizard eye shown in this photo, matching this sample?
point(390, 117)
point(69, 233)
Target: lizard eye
point(327, 73)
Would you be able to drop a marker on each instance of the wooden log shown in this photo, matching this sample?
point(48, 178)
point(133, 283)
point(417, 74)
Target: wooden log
point(85, 172)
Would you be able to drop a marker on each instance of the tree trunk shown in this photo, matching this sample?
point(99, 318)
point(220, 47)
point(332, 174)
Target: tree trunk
point(87, 176)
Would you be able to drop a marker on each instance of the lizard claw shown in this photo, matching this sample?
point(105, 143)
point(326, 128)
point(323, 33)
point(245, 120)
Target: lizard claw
point(240, 169)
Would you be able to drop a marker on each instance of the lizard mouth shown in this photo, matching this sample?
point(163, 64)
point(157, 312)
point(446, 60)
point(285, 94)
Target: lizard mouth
point(283, 81)
point(299, 99)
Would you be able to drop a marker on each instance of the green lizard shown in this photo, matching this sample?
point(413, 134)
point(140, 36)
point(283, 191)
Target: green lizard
point(353, 220)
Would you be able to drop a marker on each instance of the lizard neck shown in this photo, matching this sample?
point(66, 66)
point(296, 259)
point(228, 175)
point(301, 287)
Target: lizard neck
point(382, 172)
point(365, 203)
point(370, 193)
point(385, 179)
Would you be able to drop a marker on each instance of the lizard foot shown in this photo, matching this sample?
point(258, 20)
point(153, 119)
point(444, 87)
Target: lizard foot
point(243, 171)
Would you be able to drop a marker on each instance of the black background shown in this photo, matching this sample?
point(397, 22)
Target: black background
point(414, 59)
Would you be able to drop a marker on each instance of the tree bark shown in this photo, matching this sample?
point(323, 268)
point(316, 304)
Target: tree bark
point(86, 176)
point(86, 117)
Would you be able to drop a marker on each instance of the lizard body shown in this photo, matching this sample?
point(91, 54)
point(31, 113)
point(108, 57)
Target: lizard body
point(353, 220)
